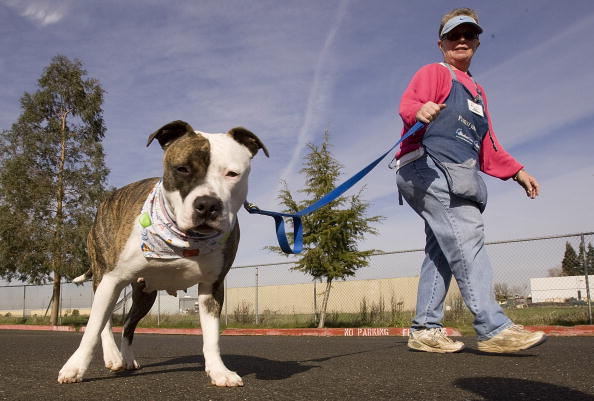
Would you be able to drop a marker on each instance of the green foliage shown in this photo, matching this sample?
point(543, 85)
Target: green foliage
point(52, 174)
point(590, 259)
point(573, 263)
point(458, 317)
point(569, 264)
point(331, 234)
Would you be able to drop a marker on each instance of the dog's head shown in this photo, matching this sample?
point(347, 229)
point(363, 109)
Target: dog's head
point(205, 176)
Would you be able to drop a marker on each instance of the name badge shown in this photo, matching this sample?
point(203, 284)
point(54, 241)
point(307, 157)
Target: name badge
point(475, 108)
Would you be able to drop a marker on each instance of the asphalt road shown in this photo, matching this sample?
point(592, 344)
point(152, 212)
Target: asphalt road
point(299, 368)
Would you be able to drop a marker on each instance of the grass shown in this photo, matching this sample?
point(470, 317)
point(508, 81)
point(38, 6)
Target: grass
point(75, 321)
point(369, 315)
point(545, 316)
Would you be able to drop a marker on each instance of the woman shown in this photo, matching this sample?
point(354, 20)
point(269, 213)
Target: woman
point(437, 174)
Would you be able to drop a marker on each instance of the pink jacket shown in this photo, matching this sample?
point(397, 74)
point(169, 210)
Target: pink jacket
point(433, 82)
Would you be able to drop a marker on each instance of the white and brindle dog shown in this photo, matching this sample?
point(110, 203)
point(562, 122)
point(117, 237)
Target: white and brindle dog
point(168, 234)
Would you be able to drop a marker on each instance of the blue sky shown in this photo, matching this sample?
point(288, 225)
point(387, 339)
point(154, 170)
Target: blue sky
point(287, 70)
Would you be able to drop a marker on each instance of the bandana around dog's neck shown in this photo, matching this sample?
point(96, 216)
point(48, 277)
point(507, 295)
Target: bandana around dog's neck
point(162, 239)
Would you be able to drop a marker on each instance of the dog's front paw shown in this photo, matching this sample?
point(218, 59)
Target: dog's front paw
point(73, 371)
point(224, 378)
point(70, 375)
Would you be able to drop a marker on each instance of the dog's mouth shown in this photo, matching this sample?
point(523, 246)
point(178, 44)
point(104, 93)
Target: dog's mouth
point(204, 230)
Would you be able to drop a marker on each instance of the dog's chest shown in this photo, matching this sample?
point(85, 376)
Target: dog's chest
point(180, 274)
point(167, 274)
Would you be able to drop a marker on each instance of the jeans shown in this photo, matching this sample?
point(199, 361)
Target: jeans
point(455, 246)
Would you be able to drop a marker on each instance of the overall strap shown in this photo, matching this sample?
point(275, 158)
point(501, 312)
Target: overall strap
point(479, 95)
point(452, 73)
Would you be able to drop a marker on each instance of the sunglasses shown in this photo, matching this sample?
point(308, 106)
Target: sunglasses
point(454, 36)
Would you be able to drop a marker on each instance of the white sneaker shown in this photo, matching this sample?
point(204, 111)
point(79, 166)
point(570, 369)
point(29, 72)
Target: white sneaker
point(514, 338)
point(433, 340)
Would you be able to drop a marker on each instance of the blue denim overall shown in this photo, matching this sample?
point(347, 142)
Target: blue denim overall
point(445, 189)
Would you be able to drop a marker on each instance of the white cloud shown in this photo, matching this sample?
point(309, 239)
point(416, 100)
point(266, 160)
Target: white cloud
point(317, 94)
point(43, 13)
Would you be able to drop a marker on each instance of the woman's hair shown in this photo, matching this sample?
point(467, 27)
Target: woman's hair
point(455, 12)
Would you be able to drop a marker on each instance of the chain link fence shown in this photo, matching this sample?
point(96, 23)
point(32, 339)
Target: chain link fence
point(276, 295)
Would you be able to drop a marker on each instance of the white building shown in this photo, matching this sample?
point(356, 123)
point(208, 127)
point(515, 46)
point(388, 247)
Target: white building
point(559, 289)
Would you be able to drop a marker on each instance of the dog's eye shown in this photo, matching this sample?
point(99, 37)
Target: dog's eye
point(183, 170)
point(232, 174)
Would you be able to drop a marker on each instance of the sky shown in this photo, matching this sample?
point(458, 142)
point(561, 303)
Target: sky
point(288, 70)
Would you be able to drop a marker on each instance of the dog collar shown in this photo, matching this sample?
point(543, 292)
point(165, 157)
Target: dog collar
point(161, 238)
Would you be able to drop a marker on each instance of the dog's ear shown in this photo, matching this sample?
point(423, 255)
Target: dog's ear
point(248, 139)
point(170, 132)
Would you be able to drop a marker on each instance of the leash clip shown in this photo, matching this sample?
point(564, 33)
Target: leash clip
point(250, 207)
point(393, 164)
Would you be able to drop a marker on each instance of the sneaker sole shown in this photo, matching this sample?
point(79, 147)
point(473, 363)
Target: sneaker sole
point(419, 346)
point(509, 350)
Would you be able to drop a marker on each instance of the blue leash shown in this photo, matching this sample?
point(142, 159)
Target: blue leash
point(329, 197)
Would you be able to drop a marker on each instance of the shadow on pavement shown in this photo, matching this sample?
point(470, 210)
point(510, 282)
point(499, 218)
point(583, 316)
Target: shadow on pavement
point(263, 368)
point(520, 354)
point(501, 388)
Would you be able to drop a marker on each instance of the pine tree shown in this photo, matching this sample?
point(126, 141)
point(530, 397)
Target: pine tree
point(590, 259)
point(330, 234)
point(585, 256)
point(581, 258)
point(52, 176)
point(570, 264)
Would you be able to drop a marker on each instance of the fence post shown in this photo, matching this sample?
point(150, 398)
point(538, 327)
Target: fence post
point(24, 299)
point(315, 301)
point(585, 261)
point(257, 318)
point(61, 304)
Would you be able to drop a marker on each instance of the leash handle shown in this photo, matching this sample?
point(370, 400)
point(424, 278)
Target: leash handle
point(323, 201)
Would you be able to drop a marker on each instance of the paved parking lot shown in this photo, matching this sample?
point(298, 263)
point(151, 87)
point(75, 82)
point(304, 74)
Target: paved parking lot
point(300, 368)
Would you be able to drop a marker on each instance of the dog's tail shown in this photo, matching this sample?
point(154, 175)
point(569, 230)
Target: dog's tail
point(83, 277)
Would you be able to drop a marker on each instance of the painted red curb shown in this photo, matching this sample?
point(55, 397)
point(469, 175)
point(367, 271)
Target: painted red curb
point(332, 332)
point(81, 329)
point(33, 327)
point(582, 330)
point(144, 330)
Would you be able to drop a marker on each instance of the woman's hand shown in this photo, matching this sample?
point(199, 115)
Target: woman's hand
point(429, 112)
point(528, 182)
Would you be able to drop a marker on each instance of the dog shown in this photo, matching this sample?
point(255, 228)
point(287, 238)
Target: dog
point(168, 233)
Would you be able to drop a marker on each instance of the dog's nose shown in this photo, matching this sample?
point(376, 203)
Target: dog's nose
point(208, 207)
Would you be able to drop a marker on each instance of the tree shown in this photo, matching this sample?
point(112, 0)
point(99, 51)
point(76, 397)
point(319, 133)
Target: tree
point(52, 176)
point(555, 271)
point(587, 256)
point(570, 264)
point(330, 234)
point(590, 259)
point(502, 292)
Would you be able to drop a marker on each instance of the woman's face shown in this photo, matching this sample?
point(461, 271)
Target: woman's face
point(459, 45)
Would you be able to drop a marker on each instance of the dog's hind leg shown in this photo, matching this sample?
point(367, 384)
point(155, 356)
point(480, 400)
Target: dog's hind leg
point(210, 303)
point(141, 305)
point(103, 303)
